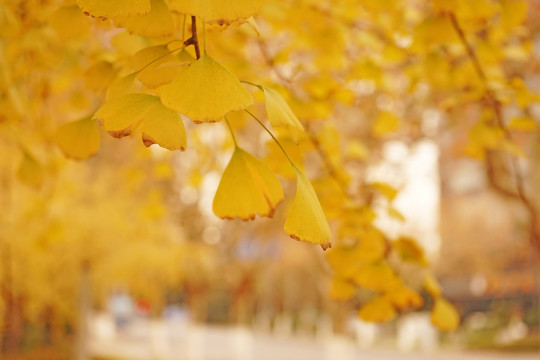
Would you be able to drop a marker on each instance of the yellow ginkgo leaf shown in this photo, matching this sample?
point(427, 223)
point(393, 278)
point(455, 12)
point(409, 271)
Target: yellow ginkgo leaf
point(121, 86)
point(247, 187)
point(431, 285)
point(104, 9)
point(30, 171)
point(157, 65)
point(403, 297)
point(379, 310)
point(206, 91)
point(146, 114)
point(341, 289)
point(444, 315)
point(158, 22)
point(78, 139)
point(280, 114)
point(307, 222)
point(68, 22)
point(222, 12)
point(409, 250)
point(378, 276)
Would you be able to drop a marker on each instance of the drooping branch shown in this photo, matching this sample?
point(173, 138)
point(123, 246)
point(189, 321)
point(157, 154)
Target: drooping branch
point(492, 102)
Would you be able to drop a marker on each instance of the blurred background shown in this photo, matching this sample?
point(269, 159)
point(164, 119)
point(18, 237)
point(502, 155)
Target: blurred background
point(409, 135)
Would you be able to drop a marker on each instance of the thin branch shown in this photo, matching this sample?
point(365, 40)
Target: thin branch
point(496, 106)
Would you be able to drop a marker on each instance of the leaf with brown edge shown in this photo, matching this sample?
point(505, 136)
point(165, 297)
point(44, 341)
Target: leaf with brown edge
point(248, 187)
point(156, 23)
point(306, 221)
point(105, 9)
point(146, 114)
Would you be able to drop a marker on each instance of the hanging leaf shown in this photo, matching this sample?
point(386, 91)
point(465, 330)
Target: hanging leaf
point(431, 285)
point(247, 187)
point(144, 113)
point(105, 9)
point(206, 91)
point(156, 23)
point(157, 65)
point(78, 139)
point(403, 297)
point(409, 250)
point(221, 12)
point(307, 222)
point(378, 310)
point(280, 114)
point(444, 315)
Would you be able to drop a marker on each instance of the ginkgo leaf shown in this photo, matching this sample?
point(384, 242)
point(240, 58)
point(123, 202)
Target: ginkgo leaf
point(247, 187)
point(280, 114)
point(145, 113)
point(222, 12)
point(206, 91)
point(444, 315)
point(121, 86)
point(30, 171)
point(99, 76)
point(403, 297)
point(410, 251)
point(157, 65)
point(379, 309)
point(378, 276)
point(341, 289)
point(78, 139)
point(431, 285)
point(307, 222)
point(104, 9)
point(157, 22)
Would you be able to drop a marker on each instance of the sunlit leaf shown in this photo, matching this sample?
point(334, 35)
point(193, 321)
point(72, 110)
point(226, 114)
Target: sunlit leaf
point(306, 221)
point(79, 139)
point(121, 86)
point(205, 91)
point(409, 250)
point(157, 65)
point(444, 315)
point(341, 289)
point(146, 114)
point(280, 114)
point(99, 76)
point(403, 297)
point(247, 187)
point(431, 285)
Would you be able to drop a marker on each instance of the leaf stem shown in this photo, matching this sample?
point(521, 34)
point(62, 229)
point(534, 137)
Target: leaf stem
point(204, 36)
point(231, 131)
point(273, 137)
point(160, 57)
point(194, 38)
point(252, 84)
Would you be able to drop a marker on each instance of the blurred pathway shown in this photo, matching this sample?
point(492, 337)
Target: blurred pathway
point(160, 340)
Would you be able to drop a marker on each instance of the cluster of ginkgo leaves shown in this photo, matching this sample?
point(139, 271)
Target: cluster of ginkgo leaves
point(168, 81)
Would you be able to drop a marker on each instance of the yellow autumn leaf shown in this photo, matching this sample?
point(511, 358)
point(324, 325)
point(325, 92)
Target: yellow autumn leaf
point(247, 187)
point(30, 172)
point(104, 9)
point(522, 123)
point(379, 310)
point(385, 124)
point(403, 297)
point(157, 65)
point(431, 285)
point(146, 114)
point(409, 250)
point(444, 315)
point(341, 289)
point(121, 86)
point(158, 22)
point(78, 139)
point(68, 22)
point(307, 221)
point(280, 114)
point(221, 12)
point(378, 276)
point(206, 91)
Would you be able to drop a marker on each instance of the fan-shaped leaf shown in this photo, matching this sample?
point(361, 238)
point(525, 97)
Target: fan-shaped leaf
point(280, 114)
point(157, 22)
point(307, 222)
point(247, 187)
point(222, 12)
point(206, 91)
point(104, 9)
point(145, 113)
